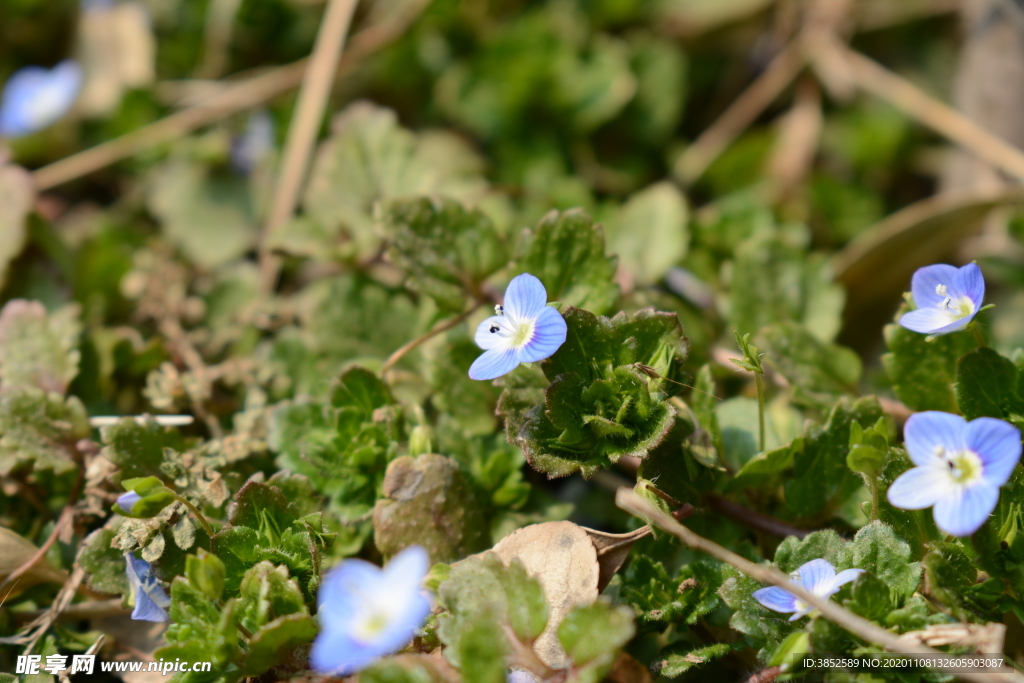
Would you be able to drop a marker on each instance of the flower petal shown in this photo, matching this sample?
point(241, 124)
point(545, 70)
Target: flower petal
point(340, 594)
point(924, 431)
point(487, 340)
point(919, 487)
point(841, 579)
point(126, 501)
point(997, 443)
point(777, 599)
point(933, 321)
point(926, 281)
point(408, 567)
point(339, 653)
point(548, 336)
point(969, 282)
point(815, 574)
point(494, 363)
point(525, 297)
point(964, 511)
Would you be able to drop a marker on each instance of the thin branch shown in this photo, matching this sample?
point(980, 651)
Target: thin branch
point(741, 113)
point(765, 675)
point(874, 78)
point(432, 332)
point(302, 134)
point(233, 98)
point(754, 520)
point(831, 610)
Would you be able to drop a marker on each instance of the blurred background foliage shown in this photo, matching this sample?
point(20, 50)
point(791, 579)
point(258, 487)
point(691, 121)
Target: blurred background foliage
point(796, 214)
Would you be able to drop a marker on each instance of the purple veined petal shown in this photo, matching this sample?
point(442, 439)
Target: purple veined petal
point(924, 431)
point(336, 652)
point(150, 600)
point(841, 579)
point(487, 340)
point(933, 321)
point(816, 574)
point(967, 507)
point(926, 281)
point(970, 283)
point(525, 297)
point(776, 599)
point(494, 363)
point(147, 609)
point(126, 501)
point(548, 335)
point(340, 596)
point(997, 443)
point(920, 487)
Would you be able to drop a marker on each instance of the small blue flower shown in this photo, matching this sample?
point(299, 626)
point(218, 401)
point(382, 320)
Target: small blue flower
point(947, 298)
point(960, 467)
point(151, 602)
point(34, 98)
point(127, 501)
point(520, 676)
point(817, 576)
point(254, 145)
point(524, 330)
point(366, 612)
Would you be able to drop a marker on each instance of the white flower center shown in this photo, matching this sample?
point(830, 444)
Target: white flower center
point(958, 308)
point(517, 332)
point(371, 624)
point(964, 467)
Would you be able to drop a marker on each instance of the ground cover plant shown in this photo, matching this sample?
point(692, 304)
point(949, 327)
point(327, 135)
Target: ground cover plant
point(496, 341)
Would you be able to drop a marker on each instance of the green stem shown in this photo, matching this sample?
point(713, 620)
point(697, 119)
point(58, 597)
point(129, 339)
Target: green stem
point(977, 335)
point(874, 498)
point(759, 381)
point(199, 515)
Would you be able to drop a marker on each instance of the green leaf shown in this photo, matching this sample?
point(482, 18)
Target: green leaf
point(987, 386)
point(276, 642)
point(922, 372)
point(870, 597)
point(749, 616)
point(187, 199)
point(819, 372)
point(775, 281)
point(266, 593)
point(949, 572)
point(483, 651)
point(593, 634)
point(155, 497)
point(206, 572)
point(650, 232)
point(368, 159)
point(566, 251)
point(820, 474)
point(39, 349)
point(877, 549)
point(17, 194)
point(791, 649)
point(661, 599)
point(792, 553)
point(420, 492)
point(409, 668)
point(678, 663)
point(103, 563)
point(38, 428)
point(138, 449)
point(446, 249)
point(361, 390)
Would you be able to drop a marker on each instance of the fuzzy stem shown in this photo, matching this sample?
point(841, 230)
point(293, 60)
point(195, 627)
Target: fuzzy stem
point(438, 329)
point(759, 382)
point(199, 515)
point(873, 483)
point(977, 335)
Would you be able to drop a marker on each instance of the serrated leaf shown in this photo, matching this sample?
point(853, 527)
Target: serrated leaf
point(870, 597)
point(749, 616)
point(446, 249)
point(987, 386)
point(275, 642)
point(922, 372)
point(138, 449)
point(566, 251)
point(820, 473)
point(368, 159)
point(37, 428)
point(593, 634)
point(677, 663)
point(39, 349)
point(794, 552)
point(876, 548)
point(104, 564)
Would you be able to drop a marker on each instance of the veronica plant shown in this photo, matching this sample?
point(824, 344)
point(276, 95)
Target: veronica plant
point(947, 298)
point(524, 329)
point(960, 467)
point(367, 612)
point(35, 98)
point(817, 577)
point(151, 602)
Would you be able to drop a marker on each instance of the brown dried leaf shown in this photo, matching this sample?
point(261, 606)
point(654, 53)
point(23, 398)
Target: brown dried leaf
point(16, 551)
point(984, 638)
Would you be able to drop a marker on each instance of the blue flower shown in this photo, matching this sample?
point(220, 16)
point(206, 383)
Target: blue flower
point(151, 602)
point(524, 330)
point(947, 298)
point(960, 467)
point(817, 576)
point(34, 98)
point(366, 612)
point(251, 148)
point(127, 501)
